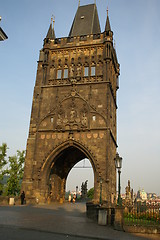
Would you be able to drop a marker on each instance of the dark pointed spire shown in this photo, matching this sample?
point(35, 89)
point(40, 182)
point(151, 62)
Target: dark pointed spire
point(108, 26)
point(51, 33)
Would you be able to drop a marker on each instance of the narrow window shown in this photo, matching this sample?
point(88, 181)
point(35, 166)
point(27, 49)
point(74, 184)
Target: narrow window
point(86, 70)
point(93, 71)
point(59, 74)
point(66, 73)
point(51, 119)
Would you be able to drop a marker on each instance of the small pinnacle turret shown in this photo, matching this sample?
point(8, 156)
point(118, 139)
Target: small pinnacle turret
point(51, 33)
point(108, 27)
point(3, 36)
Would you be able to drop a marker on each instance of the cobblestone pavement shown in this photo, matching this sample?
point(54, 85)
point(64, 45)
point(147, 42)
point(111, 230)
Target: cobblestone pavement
point(67, 221)
point(15, 233)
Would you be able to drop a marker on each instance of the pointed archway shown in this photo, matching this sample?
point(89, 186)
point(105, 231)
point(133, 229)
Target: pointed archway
point(80, 173)
point(56, 167)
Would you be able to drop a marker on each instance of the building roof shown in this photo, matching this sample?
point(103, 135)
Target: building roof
point(86, 21)
point(3, 36)
point(51, 33)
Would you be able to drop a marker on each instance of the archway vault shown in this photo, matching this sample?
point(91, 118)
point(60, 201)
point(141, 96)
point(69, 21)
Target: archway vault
point(57, 165)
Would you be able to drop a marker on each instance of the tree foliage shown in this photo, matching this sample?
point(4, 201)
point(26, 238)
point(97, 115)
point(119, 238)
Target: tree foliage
point(3, 162)
point(90, 193)
point(84, 189)
point(15, 173)
point(3, 154)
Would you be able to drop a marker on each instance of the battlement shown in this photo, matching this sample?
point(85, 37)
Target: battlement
point(77, 40)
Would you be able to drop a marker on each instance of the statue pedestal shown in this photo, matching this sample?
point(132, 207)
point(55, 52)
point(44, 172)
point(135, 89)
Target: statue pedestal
point(101, 214)
point(118, 220)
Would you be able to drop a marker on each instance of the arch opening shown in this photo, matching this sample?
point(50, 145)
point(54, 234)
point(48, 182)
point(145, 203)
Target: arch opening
point(80, 173)
point(59, 169)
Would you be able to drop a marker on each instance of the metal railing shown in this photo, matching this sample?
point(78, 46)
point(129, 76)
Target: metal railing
point(142, 216)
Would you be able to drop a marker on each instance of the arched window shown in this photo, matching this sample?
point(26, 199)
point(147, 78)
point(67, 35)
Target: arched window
point(59, 73)
point(93, 69)
point(65, 74)
point(86, 70)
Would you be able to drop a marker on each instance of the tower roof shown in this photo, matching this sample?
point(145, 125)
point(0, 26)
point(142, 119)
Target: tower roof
point(51, 33)
point(86, 21)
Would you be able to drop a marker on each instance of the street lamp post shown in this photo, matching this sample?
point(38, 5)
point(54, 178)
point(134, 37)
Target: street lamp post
point(100, 198)
point(76, 191)
point(118, 163)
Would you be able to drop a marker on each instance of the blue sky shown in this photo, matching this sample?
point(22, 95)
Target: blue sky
point(136, 31)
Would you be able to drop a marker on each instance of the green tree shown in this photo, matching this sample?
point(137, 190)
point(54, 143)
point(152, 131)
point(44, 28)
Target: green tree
point(3, 162)
point(90, 193)
point(15, 173)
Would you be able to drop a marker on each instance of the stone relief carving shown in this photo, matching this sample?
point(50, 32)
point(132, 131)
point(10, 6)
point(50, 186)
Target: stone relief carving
point(72, 113)
point(52, 72)
point(72, 70)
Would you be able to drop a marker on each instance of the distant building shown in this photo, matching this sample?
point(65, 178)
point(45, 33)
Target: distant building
point(141, 196)
point(151, 196)
point(3, 36)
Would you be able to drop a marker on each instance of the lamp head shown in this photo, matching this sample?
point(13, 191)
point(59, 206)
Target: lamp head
point(118, 161)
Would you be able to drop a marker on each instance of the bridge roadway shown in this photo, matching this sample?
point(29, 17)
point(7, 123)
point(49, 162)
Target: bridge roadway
point(55, 221)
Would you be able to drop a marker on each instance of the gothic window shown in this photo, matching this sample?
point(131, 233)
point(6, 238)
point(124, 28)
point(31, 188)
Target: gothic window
point(86, 71)
point(93, 71)
point(65, 73)
point(59, 73)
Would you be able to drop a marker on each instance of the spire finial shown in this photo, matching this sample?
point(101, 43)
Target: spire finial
point(107, 27)
point(107, 11)
point(94, 1)
point(114, 44)
point(79, 3)
point(52, 20)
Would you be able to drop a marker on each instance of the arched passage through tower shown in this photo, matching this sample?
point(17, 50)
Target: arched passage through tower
point(79, 174)
point(55, 171)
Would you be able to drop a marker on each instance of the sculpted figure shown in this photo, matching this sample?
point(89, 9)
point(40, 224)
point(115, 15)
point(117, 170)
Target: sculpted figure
point(72, 70)
point(79, 70)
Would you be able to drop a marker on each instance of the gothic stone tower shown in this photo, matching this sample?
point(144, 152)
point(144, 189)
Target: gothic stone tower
point(74, 110)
